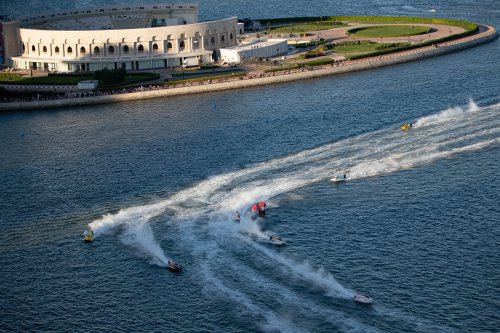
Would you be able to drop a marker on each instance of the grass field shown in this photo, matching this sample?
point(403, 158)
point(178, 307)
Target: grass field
point(15, 78)
point(349, 49)
point(307, 27)
point(10, 77)
point(389, 31)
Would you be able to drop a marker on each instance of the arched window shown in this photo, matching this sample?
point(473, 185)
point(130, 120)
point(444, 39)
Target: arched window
point(70, 50)
point(56, 50)
point(196, 44)
point(182, 45)
point(212, 40)
point(169, 46)
point(231, 36)
point(82, 50)
point(111, 49)
point(125, 49)
point(97, 50)
point(24, 48)
point(155, 47)
point(44, 49)
point(33, 48)
point(222, 38)
point(140, 48)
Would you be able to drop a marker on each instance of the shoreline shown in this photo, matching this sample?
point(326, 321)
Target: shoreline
point(259, 78)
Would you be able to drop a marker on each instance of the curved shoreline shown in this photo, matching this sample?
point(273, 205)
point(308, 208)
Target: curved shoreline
point(257, 79)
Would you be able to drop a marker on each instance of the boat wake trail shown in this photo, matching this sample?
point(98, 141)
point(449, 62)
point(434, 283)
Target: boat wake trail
point(305, 271)
point(140, 237)
point(208, 206)
point(453, 131)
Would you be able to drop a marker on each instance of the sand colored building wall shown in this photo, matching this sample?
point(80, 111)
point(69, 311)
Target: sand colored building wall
point(36, 46)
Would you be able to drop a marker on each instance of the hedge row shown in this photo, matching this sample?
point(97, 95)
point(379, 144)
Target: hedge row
point(131, 79)
point(312, 43)
point(314, 63)
point(200, 79)
point(231, 70)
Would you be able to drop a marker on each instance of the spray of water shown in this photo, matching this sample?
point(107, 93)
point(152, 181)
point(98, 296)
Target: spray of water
point(450, 132)
point(453, 114)
point(305, 271)
point(140, 236)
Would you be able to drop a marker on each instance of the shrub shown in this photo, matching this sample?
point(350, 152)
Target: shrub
point(353, 42)
point(314, 53)
point(311, 43)
point(200, 79)
point(208, 66)
point(107, 76)
point(319, 62)
point(386, 46)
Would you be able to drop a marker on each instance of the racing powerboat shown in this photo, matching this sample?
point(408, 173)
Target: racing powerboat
point(173, 266)
point(339, 178)
point(277, 240)
point(88, 236)
point(405, 127)
point(259, 209)
point(362, 299)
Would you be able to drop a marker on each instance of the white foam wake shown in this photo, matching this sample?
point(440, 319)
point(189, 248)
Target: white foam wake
point(447, 133)
point(450, 114)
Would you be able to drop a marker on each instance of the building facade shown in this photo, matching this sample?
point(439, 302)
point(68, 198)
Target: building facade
point(257, 49)
point(129, 37)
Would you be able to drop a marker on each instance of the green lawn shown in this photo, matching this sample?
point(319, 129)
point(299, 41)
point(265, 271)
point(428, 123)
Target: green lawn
point(9, 77)
point(130, 78)
point(307, 27)
point(349, 49)
point(389, 31)
point(44, 80)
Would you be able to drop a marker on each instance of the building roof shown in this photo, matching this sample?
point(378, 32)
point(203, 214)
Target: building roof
point(256, 44)
point(110, 17)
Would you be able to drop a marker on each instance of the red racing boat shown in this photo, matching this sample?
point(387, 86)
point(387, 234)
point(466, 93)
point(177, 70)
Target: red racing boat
point(173, 266)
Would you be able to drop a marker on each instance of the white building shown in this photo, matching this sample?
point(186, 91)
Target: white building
point(257, 49)
point(129, 37)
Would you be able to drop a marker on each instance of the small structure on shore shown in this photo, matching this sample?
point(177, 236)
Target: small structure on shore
point(88, 84)
point(260, 48)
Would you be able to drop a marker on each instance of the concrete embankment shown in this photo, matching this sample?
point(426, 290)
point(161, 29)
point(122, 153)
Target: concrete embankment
point(257, 79)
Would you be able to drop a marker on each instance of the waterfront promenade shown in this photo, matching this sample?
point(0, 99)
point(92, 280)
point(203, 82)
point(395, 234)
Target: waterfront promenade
point(256, 78)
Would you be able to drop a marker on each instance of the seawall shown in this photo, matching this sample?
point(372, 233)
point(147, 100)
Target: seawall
point(257, 79)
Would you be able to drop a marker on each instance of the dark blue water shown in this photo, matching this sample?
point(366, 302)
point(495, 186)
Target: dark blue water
point(416, 226)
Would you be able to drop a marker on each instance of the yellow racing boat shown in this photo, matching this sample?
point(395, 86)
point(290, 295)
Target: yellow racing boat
point(88, 236)
point(405, 127)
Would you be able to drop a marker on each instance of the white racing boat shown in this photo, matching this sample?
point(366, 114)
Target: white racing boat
point(277, 240)
point(363, 299)
point(339, 178)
